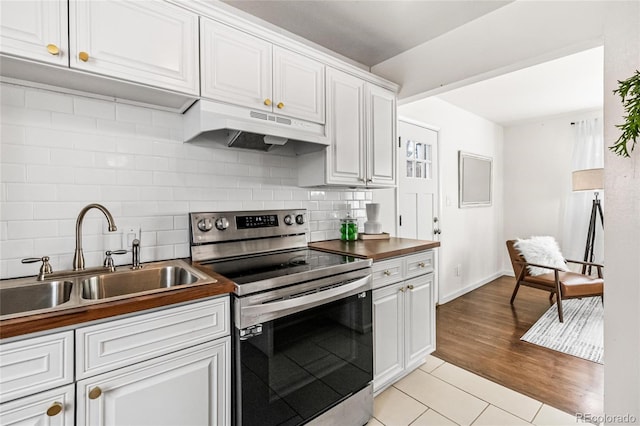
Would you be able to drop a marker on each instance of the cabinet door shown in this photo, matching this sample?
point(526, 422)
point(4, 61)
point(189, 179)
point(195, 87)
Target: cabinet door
point(35, 30)
point(381, 136)
point(345, 127)
point(52, 408)
point(148, 42)
point(419, 320)
point(35, 364)
point(388, 334)
point(235, 66)
point(298, 86)
point(188, 387)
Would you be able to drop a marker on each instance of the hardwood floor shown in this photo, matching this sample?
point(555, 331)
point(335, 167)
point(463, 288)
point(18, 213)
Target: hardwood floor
point(480, 332)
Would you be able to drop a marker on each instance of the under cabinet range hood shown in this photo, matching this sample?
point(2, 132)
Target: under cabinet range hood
point(238, 127)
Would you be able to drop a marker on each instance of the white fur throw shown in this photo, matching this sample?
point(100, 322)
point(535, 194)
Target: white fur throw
point(543, 251)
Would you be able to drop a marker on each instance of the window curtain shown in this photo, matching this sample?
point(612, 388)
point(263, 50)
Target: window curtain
point(588, 153)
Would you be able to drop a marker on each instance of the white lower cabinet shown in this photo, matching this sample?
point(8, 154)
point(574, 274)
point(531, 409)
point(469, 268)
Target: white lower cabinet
point(52, 408)
point(167, 367)
point(189, 387)
point(404, 320)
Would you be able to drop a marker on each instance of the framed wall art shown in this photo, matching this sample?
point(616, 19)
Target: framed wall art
point(474, 180)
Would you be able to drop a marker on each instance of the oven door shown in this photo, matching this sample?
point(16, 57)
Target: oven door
point(293, 368)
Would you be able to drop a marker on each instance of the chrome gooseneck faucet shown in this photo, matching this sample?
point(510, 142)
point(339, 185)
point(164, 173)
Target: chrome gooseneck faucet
point(78, 257)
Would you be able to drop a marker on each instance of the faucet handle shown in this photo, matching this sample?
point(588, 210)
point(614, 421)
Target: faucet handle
point(108, 260)
point(44, 269)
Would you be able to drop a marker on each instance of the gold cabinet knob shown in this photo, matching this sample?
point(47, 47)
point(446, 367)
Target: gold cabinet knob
point(83, 56)
point(55, 409)
point(421, 264)
point(387, 272)
point(280, 105)
point(267, 102)
point(53, 49)
point(410, 286)
point(95, 393)
point(402, 289)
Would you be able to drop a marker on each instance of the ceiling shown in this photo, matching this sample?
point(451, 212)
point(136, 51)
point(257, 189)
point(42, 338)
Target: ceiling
point(371, 31)
point(568, 84)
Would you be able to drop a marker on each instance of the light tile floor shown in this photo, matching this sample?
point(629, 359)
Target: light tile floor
point(439, 393)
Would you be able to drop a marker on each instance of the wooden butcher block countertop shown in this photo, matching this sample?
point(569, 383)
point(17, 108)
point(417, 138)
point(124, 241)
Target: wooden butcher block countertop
point(375, 249)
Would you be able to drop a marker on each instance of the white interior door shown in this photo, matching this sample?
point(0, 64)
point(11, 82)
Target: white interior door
point(417, 181)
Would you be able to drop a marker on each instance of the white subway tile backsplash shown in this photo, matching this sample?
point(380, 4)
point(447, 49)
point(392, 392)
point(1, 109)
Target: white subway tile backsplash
point(13, 173)
point(72, 121)
point(49, 174)
point(133, 114)
point(49, 101)
point(94, 108)
point(129, 159)
point(12, 95)
point(16, 211)
point(23, 154)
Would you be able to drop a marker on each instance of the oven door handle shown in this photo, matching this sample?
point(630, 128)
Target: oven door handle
point(251, 315)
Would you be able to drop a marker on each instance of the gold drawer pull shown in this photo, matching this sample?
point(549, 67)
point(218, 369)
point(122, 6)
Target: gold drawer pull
point(53, 49)
point(401, 289)
point(387, 272)
point(280, 105)
point(410, 286)
point(421, 264)
point(55, 409)
point(83, 56)
point(267, 102)
point(95, 393)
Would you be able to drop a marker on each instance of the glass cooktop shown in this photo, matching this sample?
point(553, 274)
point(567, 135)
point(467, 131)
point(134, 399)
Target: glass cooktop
point(273, 270)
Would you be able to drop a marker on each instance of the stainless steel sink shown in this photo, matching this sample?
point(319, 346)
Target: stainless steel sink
point(33, 297)
point(109, 285)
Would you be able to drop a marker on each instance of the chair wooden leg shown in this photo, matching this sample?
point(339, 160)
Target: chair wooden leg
point(515, 291)
point(560, 314)
point(551, 298)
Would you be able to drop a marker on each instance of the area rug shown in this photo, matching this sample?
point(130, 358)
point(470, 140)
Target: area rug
point(581, 334)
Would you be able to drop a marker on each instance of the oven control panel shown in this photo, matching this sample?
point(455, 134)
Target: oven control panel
point(210, 227)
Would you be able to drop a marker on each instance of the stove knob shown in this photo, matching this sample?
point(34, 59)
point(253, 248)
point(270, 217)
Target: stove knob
point(222, 223)
point(288, 219)
point(300, 219)
point(205, 225)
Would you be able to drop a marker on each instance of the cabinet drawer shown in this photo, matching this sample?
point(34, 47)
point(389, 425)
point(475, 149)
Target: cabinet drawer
point(418, 264)
point(51, 408)
point(119, 343)
point(34, 365)
point(387, 272)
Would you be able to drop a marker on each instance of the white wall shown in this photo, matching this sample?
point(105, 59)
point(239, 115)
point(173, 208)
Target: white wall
point(60, 152)
point(622, 224)
point(537, 178)
point(471, 237)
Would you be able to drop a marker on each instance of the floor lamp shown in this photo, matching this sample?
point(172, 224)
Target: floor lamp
point(590, 180)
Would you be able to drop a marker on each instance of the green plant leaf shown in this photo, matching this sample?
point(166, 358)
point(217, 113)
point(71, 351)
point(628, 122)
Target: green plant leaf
point(629, 92)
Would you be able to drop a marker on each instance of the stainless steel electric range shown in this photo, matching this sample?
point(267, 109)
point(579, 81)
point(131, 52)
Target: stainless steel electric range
point(303, 336)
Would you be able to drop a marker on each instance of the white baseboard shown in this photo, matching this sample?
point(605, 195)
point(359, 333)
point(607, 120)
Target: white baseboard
point(451, 296)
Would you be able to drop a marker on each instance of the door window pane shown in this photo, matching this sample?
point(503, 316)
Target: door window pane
point(409, 168)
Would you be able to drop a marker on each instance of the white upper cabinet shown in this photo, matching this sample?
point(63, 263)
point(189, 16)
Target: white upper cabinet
point(242, 69)
point(381, 135)
point(298, 86)
point(236, 67)
point(361, 127)
point(35, 30)
point(153, 43)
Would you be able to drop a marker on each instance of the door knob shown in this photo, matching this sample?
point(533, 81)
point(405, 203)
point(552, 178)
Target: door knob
point(55, 409)
point(53, 49)
point(83, 56)
point(95, 393)
point(280, 105)
point(267, 102)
